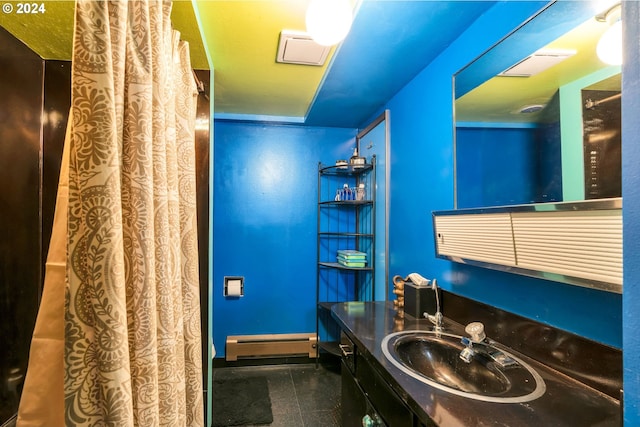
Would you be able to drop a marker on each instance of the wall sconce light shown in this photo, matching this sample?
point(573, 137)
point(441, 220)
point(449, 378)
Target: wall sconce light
point(328, 21)
point(609, 48)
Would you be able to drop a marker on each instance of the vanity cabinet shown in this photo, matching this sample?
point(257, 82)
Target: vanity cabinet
point(367, 399)
point(356, 409)
point(373, 385)
point(345, 243)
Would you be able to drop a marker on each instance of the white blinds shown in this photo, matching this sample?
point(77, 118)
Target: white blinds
point(485, 237)
point(585, 244)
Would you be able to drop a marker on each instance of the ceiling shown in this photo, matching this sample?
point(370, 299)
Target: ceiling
point(501, 99)
point(390, 42)
point(50, 32)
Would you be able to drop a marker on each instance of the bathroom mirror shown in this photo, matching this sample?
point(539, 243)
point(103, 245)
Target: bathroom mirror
point(537, 116)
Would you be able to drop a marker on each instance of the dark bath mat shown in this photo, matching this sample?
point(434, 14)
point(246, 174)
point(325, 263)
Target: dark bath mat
point(241, 401)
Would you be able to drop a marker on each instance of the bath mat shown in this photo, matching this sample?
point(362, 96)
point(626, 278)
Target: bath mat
point(241, 401)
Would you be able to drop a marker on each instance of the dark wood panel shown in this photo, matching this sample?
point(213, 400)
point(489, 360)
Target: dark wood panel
point(21, 87)
point(57, 101)
point(203, 149)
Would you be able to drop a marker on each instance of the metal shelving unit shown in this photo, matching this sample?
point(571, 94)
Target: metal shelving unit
point(343, 224)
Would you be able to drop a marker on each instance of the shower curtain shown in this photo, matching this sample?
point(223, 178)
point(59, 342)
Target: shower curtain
point(117, 340)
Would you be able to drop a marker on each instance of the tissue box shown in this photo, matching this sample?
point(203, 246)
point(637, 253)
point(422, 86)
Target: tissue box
point(419, 299)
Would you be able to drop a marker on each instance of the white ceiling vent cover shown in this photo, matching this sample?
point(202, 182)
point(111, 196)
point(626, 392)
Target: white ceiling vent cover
point(538, 62)
point(297, 47)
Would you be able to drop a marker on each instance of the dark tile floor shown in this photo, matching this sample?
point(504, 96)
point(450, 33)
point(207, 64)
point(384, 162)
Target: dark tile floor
point(301, 394)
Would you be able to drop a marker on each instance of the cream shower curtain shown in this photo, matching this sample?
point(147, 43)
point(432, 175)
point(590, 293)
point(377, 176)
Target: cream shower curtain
point(124, 348)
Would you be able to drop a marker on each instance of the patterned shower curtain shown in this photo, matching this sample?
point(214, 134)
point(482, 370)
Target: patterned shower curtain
point(132, 351)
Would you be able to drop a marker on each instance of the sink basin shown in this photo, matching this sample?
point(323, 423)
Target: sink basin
point(434, 358)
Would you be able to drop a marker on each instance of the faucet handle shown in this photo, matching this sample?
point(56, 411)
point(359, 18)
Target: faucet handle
point(437, 319)
point(476, 332)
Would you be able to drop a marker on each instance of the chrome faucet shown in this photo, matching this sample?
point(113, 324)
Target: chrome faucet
point(436, 318)
point(478, 343)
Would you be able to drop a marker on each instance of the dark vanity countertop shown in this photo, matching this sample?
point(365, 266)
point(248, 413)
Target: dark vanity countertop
point(566, 401)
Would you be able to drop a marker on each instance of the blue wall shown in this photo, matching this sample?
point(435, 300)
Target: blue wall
point(422, 128)
point(631, 212)
point(506, 164)
point(264, 224)
point(494, 166)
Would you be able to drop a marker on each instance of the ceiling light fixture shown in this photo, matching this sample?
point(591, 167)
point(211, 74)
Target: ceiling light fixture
point(538, 62)
point(328, 21)
point(530, 109)
point(609, 48)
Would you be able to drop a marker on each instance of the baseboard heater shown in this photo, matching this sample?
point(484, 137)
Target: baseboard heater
point(271, 345)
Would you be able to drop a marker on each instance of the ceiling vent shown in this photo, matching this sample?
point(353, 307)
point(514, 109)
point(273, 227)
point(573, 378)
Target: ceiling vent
point(538, 62)
point(297, 47)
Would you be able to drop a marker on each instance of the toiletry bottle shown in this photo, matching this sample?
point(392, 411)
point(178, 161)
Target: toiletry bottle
point(344, 195)
point(360, 193)
point(354, 157)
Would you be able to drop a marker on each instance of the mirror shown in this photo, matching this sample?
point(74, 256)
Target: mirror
point(537, 116)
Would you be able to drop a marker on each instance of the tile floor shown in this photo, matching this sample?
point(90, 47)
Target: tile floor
point(301, 395)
